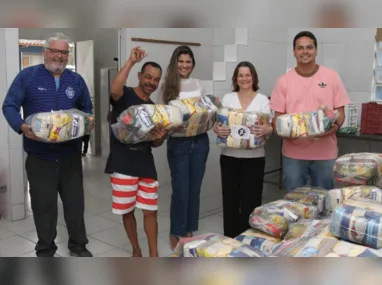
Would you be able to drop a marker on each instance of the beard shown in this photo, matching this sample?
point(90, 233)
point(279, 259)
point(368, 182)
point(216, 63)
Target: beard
point(56, 67)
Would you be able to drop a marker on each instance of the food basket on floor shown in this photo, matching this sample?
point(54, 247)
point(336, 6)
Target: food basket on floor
point(359, 169)
point(274, 218)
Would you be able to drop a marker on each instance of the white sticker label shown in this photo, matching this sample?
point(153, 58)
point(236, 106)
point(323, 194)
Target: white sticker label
point(240, 132)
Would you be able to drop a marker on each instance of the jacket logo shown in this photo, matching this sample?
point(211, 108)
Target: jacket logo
point(322, 85)
point(41, 89)
point(70, 92)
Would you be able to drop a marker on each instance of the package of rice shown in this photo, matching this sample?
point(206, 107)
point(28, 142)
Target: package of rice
point(258, 240)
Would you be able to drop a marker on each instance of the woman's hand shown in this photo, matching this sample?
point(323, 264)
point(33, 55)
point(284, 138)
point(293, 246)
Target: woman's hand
point(262, 131)
point(221, 130)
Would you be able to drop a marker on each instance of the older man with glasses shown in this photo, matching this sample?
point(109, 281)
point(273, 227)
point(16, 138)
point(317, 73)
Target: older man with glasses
point(52, 168)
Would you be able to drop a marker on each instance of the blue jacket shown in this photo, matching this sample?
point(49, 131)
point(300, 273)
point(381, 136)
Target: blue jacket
point(34, 89)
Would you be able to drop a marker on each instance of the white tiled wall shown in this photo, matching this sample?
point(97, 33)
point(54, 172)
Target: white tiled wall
point(349, 51)
point(11, 151)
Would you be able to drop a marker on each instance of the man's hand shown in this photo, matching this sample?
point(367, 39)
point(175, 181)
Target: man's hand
point(158, 132)
point(27, 131)
point(91, 125)
point(332, 131)
point(137, 54)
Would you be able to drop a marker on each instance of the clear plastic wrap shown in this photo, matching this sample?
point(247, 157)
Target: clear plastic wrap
point(258, 240)
point(306, 124)
point(338, 196)
point(306, 229)
point(60, 126)
point(359, 169)
point(240, 123)
point(186, 247)
point(358, 222)
point(309, 196)
point(198, 114)
point(227, 247)
point(329, 247)
point(273, 218)
point(134, 124)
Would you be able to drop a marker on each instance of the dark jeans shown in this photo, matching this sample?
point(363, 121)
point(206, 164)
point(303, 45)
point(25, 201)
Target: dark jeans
point(46, 180)
point(85, 140)
point(187, 159)
point(242, 183)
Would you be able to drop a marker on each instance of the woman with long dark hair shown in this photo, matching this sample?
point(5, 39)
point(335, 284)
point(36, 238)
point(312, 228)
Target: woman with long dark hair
point(187, 156)
point(242, 170)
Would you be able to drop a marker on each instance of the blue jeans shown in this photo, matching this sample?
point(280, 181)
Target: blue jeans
point(187, 159)
point(296, 173)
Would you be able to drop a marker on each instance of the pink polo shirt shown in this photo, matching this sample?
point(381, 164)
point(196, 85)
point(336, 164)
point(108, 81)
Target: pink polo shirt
point(294, 93)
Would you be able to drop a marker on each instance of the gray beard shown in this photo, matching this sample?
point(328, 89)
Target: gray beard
point(55, 70)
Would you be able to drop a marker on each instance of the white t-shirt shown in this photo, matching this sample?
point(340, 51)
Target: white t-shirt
point(259, 104)
point(189, 87)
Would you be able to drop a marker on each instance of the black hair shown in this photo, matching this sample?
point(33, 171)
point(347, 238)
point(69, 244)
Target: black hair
point(305, 34)
point(255, 78)
point(153, 64)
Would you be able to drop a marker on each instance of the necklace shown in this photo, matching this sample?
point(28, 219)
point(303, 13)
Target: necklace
point(309, 74)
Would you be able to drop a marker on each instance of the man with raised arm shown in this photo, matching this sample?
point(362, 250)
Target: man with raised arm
point(131, 167)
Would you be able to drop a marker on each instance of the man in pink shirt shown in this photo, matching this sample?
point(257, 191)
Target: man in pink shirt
point(304, 89)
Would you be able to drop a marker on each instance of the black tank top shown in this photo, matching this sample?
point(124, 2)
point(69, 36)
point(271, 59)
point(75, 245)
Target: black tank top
point(135, 159)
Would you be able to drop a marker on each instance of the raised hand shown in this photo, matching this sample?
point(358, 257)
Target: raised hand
point(137, 54)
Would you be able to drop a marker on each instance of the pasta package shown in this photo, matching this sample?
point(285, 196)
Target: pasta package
point(358, 224)
point(60, 126)
point(134, 124)
point(309, 196)
point(241, 122)
point(338, 196)
point(186, 247)
point(258, 240)
point(274, 218)
point(306, 124)
point(306, 229)
point(227, 247)
point(198, 114)
point(359, 169)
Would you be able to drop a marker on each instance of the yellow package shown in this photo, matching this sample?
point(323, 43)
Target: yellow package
point(220, 248)
point(190, 104)
point(59, 122)
point(160, 116)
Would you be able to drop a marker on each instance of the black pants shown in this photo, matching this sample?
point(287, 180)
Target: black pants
point(242, 183)
point(85, 140)
point(46, 180)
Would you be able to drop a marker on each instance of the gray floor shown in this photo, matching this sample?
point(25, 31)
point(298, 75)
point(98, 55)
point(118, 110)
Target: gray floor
point(107, 237)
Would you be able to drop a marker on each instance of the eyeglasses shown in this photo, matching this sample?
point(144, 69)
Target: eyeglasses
point(57, 51)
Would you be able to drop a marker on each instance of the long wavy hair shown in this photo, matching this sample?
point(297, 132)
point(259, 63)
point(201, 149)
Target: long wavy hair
point(171, 86)
point(255, 78)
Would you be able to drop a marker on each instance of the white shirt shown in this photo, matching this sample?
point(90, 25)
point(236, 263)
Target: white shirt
point(189, 87)
point(259, 104)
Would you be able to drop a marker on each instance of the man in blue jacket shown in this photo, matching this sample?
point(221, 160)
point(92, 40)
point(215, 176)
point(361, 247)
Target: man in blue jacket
point(52, 168)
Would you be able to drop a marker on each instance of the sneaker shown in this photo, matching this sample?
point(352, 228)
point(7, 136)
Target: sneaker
point(81, 253)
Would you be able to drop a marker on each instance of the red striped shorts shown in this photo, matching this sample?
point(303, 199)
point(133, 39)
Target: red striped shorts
point(133, 192)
